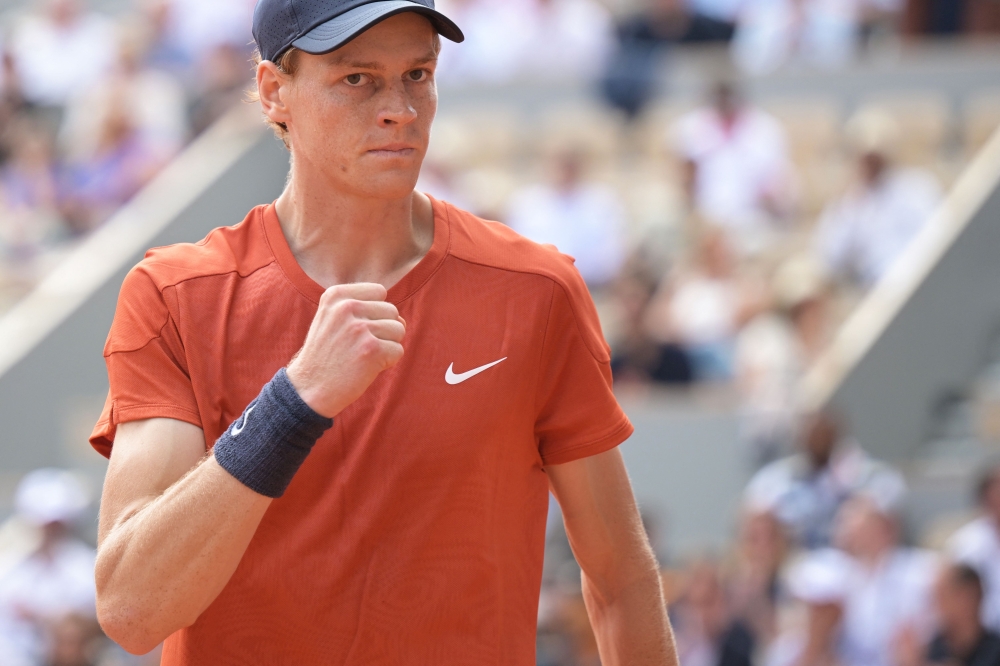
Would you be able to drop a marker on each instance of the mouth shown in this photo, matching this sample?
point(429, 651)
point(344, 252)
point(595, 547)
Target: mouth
point(393, 150)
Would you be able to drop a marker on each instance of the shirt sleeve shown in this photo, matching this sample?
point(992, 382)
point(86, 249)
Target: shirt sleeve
point(578, 415)
point(147, 368)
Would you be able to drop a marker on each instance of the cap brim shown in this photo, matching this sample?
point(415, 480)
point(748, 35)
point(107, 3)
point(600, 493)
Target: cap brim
point(339, 30)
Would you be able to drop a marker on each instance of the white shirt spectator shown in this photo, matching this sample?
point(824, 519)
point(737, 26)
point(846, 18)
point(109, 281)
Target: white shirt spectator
point(703, 310)
point(57, 61)
point(496, 41)
point(771, 33)
point(863, 233)
point(44, 589)
point(569, 38)
point(199, 26)
point(977, 544)
point(807, 501)
point(533, 39)
point(877, 603)
point(741, 167)
point(586, 222)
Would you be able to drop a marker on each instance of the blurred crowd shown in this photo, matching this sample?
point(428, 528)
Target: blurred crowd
point(723, 241)
point(92, 106)
point(822, 572)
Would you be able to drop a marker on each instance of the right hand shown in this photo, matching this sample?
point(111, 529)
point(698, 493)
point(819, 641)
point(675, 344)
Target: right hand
point(354, 336)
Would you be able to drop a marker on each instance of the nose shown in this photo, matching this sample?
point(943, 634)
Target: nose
point(396, 108)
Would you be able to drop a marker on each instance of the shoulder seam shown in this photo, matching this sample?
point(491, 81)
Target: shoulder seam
point(558, 283)
point(168, 285)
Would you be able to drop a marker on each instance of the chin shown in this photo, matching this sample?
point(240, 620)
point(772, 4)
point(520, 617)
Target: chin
point(388, 184)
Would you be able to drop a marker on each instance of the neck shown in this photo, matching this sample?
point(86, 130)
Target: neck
point(340, 238)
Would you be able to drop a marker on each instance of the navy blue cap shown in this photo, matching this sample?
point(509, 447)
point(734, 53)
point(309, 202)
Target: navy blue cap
point(320, 26)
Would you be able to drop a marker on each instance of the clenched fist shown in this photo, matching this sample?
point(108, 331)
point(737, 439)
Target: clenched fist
point(354, 336)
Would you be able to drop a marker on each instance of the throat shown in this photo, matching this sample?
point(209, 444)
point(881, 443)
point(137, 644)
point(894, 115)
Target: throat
point(346, 244)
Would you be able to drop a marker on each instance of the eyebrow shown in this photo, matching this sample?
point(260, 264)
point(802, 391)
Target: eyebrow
point(377, 66)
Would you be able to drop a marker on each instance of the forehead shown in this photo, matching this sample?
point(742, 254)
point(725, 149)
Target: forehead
point(404, 37)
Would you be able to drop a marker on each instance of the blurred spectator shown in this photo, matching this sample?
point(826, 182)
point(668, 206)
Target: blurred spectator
point(29, 213)
point(224, 80)
point(880, 590)
point(568, 38)
point(947, 17)
point(811, 33)
point(95, 185)
point(723, 12)
point(706, 633)
point(962, 639)
point(701, 307)
point(496, 41)
point(56, 579)
point(977, 544)
point(11, 91)
point(633, 70)
point(755, 586)
point(861, 234)
point(583, 219)
point(152, 99)
point(75, 640)
point(806, 490)
point(738, 171)
point(773, 352)
point(197, 28)
point(636, 356)
point(62, 51)
point(162, 51)
point(526, 39)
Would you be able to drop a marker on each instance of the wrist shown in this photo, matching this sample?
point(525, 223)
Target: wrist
point(266, 445)
point(309, 392)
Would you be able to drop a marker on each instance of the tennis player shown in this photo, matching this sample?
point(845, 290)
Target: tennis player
point(387, 389)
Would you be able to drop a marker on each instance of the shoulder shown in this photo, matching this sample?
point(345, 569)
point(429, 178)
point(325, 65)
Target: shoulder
point(495, 245)
point(239, 249)
point(973, 541)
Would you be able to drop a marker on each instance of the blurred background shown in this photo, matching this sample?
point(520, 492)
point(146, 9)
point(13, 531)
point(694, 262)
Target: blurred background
point(787, 211)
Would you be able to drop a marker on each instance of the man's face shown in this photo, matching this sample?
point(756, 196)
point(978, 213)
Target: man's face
point(821, 436)
point(360, 117)
point(956, 604)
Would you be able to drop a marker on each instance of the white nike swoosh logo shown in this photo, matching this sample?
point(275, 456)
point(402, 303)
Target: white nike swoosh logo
point(237, 429)
point(453, 379)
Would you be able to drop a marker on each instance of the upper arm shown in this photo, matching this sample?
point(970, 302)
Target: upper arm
point(148, 457)
point(602, 519)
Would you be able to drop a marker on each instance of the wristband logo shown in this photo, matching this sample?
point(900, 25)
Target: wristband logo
point(238, 427)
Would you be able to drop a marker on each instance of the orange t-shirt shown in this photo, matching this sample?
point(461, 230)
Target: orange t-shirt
point(414, 532)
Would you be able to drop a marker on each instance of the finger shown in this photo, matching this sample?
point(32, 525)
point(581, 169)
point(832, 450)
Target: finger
point(374, 310)
point(361, 291)
point(391, 353)
point(387, 329)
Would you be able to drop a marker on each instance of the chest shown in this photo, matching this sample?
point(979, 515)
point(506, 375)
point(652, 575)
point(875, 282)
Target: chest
point(469, 371)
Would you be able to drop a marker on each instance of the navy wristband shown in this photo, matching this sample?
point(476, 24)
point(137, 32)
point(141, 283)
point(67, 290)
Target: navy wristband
point(264, 448)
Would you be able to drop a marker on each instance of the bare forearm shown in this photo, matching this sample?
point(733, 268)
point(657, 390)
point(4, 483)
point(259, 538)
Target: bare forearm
point(160, 568)
point(631, 624)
